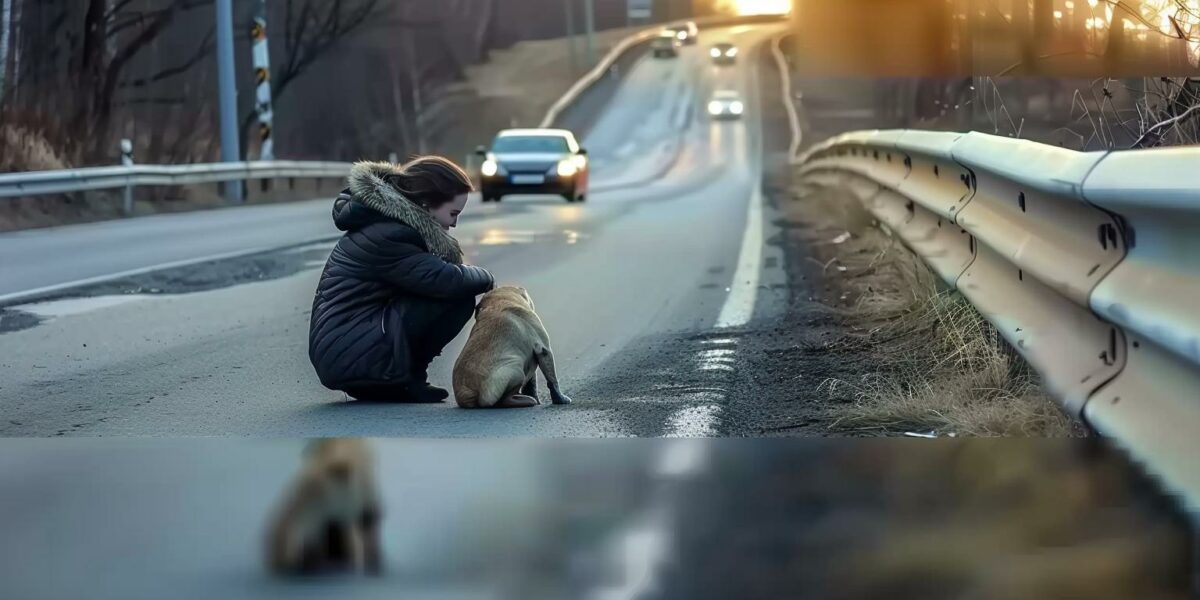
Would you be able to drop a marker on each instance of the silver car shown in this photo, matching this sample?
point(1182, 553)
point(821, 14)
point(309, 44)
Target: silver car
point(534, 161)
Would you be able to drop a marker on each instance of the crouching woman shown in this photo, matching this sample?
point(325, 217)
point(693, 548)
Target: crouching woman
point(395, 290)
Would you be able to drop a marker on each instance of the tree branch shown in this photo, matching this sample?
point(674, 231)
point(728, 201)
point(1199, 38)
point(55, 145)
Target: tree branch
point(202, 52)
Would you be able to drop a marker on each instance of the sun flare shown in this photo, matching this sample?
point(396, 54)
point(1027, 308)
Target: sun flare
point(757, 7)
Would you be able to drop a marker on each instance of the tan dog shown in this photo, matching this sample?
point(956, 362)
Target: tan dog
point(329, 521)
point(498, 366)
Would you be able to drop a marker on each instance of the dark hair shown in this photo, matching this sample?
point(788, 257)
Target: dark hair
point(431, 181)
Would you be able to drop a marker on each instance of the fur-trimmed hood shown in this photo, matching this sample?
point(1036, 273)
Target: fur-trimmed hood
point(369, 188)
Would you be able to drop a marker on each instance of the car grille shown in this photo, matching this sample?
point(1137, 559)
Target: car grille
point(527, 167)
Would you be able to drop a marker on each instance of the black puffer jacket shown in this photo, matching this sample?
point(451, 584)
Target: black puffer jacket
point(393, 252)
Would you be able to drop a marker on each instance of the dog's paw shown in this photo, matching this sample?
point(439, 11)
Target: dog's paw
point(560, 399)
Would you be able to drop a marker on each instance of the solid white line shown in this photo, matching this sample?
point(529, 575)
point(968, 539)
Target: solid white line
point(739, 305)
point(14, 298)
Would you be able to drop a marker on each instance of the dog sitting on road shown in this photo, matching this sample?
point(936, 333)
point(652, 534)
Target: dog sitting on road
point(508, 343)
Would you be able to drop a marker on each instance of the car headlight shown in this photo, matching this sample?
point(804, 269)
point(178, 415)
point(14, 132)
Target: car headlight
point(732, 52)
point(736, 107)
point(681, 35)
point(715, 53)
point(580, 161)
point(567, 168)
point(489, 168)
point(714, 108)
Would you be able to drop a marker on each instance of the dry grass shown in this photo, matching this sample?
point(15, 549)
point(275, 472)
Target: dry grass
point(25, 150)
point(940, 366)
point(1006, 519)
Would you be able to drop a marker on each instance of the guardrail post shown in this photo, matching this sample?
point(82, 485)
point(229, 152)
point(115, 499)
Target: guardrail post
point(127, 161)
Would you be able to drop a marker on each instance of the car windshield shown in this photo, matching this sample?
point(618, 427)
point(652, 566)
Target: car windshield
point(726, 95)
point(531, 143)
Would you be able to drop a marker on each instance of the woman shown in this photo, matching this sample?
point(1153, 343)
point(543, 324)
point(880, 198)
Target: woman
point(394, 291)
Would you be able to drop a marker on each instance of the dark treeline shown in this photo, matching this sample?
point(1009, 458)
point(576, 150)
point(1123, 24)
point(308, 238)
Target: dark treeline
point(349, 77)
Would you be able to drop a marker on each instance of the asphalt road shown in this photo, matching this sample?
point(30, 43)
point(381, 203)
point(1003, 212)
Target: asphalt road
point(601, 519)
point(669, 245)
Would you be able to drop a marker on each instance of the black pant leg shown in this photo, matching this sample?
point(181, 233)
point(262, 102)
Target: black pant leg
point(429, 325)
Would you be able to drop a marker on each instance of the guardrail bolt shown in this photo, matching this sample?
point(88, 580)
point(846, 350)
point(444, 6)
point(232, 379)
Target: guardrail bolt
point(1108, 235)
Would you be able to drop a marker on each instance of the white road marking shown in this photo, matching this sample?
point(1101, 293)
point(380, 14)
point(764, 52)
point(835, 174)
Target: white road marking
point(693, 421)
point(30, 295)
point(681, 458)
point(78, 306)
point(743, 291)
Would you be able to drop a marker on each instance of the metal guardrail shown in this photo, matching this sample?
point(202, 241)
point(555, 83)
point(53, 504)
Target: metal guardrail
point(35, 183)
point(1087, 263)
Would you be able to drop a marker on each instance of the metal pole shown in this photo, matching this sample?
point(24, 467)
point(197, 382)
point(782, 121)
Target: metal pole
point(589, 24)
point(262, 77)
point(228, 94)
point(568, 5)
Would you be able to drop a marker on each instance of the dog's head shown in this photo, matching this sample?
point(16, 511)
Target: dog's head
point(505, 295)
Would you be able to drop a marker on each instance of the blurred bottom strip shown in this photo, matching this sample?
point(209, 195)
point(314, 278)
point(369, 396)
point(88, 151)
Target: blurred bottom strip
point(692, 518)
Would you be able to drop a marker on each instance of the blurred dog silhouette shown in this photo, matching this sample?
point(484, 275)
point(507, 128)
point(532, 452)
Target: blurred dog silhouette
point(329, 519)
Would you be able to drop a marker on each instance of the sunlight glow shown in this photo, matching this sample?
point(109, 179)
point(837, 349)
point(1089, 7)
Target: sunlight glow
point(1159, 13)
point(756, 7)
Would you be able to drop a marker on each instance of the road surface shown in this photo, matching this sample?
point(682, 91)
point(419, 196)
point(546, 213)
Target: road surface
point(599, 519)
point(631, 284)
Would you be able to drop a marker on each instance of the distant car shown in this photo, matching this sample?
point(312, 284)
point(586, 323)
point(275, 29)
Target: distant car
point(534, 161)
point(726, 104)
point(723, 53)
point(687, 33)
point(666, 45)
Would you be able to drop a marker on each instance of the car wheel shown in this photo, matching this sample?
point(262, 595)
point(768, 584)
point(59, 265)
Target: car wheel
point(581, 198)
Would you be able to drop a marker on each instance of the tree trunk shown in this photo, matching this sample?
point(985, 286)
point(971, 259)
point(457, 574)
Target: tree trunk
point(92, 117)
point(415, 83)
point(1117, 48)
point(5, 31)
point(1043, 22)
point(1023, 35)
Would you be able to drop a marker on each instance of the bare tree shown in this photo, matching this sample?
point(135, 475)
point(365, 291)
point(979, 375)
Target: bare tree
point(311, 29)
